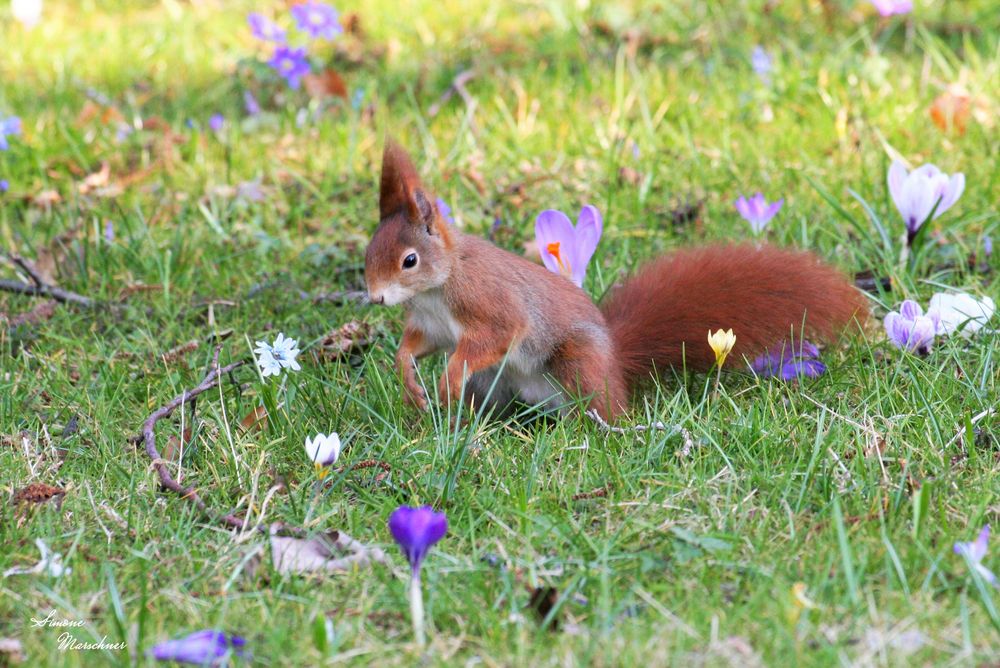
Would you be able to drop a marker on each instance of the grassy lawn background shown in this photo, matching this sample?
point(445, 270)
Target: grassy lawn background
point(853, 484)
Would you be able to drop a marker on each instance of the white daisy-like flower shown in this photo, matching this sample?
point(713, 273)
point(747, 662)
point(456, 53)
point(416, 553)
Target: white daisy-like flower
point(323, 451)
point(272, 358)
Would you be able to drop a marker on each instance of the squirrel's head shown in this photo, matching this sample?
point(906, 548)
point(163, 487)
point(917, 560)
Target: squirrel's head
point(409, 252)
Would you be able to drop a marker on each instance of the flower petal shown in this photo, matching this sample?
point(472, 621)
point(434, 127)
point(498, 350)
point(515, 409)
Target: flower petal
point(774, 209)
point(978, 547)
point(200, 647)
point(743, 207)
point(589, 227)
point(910, 310)
point(553, 226)
point(416, 530)
point(897, 177)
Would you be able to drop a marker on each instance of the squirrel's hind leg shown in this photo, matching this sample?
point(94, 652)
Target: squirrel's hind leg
point(587, 369)
point(484, 388)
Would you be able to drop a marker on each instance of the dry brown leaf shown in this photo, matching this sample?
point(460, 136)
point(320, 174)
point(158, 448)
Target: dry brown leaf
point(46, 198)
point(331, 552)
point(38, 493)
point(98, 179)
point(91, 110)
point(326, 83)
point(177, 352)
point(257, 418)
point(172, 450)
point(349, 338)
point(39, 313)
point(629, 176)
point(950, 110)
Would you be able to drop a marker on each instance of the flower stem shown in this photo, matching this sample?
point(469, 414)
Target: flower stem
point(417, 609)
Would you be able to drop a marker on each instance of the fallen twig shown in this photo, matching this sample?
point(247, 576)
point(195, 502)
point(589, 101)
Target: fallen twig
point(60, 295)
point(603, 424)
point(211, 380)
point(29, 269)
point(457, 86)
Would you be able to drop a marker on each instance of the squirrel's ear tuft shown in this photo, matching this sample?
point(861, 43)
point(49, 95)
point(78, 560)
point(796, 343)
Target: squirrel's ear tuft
point(399, 181)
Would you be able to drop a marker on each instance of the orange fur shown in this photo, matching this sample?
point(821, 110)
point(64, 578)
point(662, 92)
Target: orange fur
point(662, 315)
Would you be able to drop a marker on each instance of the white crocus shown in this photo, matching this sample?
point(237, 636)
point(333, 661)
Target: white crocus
point(962, 313)
point(323, 451)
point(272, 358)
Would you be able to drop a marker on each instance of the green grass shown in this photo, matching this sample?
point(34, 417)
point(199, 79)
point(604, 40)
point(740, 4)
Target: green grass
point(687, 558)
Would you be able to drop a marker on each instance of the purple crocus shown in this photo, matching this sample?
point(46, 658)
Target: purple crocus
point(290, 63)
point(975, 552)
point(566, 249)
point(890, 7)
point(757, 211)
point(250, 104)
point(8, 127)
point(445, 210)
point(4, 185)
point(910, 329)
point(265, 29)
point(987, 245)
point(789, 362)
point(318, 20)
point(924, 190)
point(109, 231)
point(201, 648)
point(416, 530)
point(762, 64)
point(216, 122)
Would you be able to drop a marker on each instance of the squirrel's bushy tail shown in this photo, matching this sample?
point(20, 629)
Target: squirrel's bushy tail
point(661, 316)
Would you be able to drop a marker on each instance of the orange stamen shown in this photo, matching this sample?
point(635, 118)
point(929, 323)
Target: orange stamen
point(553, 249)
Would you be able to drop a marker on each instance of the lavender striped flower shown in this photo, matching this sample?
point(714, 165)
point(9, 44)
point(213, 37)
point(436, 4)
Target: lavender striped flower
point(566, 249)
point(919, 193)
point(975, 552)
point(789, 361)
point(757, 211)
point(909, 329)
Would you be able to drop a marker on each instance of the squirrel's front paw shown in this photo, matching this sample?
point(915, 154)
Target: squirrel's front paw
point(416, 399)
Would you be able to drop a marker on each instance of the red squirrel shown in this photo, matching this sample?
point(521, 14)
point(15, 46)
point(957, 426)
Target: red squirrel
point(495, 312)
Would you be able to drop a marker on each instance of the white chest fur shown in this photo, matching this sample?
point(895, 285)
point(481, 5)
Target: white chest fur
point(430, 315)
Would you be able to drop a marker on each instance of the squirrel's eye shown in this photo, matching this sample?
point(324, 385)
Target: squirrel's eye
point(410, 261)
